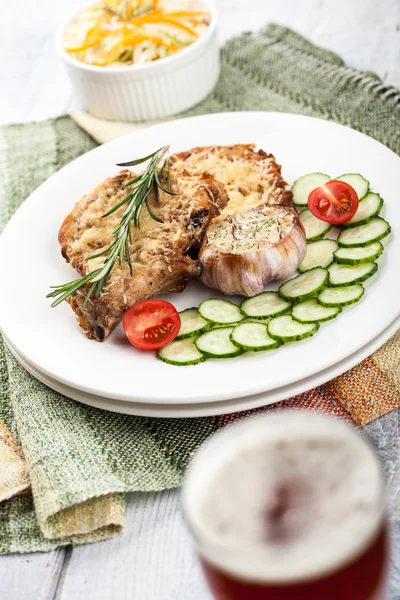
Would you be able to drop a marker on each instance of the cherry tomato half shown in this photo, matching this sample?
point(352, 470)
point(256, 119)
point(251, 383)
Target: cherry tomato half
point(335, 202)
point(151, 324)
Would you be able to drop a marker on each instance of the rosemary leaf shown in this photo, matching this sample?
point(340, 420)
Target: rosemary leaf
point(117, 206)
point(127, 256)
point(164, 189)
point(133, 181)
point(102, 253)
point(139, 161)
point(87, 298)
point(156, 195)
point(152, 214)
point(99, 287)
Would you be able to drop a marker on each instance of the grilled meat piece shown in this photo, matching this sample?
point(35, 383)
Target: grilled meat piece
point(258, 236)
point(163, 255)
point(248, 175)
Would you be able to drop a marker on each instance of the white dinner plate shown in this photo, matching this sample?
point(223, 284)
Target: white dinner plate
point(205, 409)
point(50, 340)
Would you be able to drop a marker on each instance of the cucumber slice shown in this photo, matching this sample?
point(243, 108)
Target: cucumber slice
point(319, 254)
point(306, 184)
point(222, 312)
point(357, 182)
point(254, 320)
point(253, 337)
point(181, 353)
point(369, 208)
point(286, 329)
point(341, 296)
point(347, 274)
point(310, 311)
point(217, 343)
point(304, 286)
point(358, 255)
point(364, 235)
point(192, 324)
point(315, 228)
point(266, 304)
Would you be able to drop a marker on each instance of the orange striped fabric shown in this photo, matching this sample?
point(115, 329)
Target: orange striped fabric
point(14, 475)
point(368, 391)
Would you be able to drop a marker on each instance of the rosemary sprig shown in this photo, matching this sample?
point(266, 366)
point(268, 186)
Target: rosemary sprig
point(140, 188)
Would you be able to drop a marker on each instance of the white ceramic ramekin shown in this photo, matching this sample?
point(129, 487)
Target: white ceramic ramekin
point(147, 91)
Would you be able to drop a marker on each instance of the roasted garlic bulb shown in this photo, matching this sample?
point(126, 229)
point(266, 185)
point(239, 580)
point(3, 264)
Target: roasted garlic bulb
point(242, 252)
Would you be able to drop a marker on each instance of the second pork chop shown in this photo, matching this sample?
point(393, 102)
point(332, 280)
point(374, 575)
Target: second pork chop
point(258, 236)
point(163, 255)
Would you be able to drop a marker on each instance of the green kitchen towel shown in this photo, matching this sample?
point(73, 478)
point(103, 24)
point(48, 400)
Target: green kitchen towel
point(82, 460)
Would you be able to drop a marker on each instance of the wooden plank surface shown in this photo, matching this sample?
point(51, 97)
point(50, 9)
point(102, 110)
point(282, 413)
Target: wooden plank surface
point(31, 576)
point(154, 558)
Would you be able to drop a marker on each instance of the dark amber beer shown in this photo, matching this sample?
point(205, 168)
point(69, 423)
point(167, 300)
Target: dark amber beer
point(289, 506)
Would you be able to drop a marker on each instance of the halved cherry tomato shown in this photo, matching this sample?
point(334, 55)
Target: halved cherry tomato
point(335, 202)
point(151, 324)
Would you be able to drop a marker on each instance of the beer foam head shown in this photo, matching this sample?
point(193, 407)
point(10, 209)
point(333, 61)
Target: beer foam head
point(285, 497)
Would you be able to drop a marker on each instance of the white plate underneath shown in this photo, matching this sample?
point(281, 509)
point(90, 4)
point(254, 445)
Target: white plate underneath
point(50, 340)
point(205, 409)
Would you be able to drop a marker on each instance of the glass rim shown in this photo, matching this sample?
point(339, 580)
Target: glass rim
point(207, 540)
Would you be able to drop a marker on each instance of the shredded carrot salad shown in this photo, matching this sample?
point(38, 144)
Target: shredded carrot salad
point(123, 32)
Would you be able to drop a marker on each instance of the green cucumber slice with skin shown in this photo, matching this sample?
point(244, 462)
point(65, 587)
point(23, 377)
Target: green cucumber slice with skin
point(358, 255)
point(192, 324)
point(264, 305)
point(286, 329)
point(181, 353)
point(303, 186)
point(219, 311)
point(304, 286)
point(217, 343)
point(348, 274)
point(364, 235)
point(319, 254)
point(315, 228)
point(310, 311)
point(357, 182)
point(341, 296)
point(252, 320)
point(253, 337)
point(369, 208)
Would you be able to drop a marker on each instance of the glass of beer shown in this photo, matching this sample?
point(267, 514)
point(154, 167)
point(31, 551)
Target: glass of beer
point(289, 505)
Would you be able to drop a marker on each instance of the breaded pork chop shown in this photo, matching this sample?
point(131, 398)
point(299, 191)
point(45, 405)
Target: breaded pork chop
point(258, 237)
point(251, 178)
point(163, 255)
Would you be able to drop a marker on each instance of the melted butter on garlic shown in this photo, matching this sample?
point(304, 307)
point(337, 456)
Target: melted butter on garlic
point(251, 230)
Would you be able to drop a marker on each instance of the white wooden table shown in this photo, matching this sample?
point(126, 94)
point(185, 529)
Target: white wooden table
point(153, 559)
